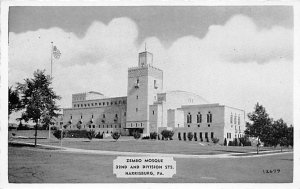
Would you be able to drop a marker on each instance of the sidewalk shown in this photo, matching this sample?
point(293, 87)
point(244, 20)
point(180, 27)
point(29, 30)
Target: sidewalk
point(118, 153)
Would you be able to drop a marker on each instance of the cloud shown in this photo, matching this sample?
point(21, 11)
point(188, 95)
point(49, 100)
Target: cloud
point(207, 66)
point(240, 40)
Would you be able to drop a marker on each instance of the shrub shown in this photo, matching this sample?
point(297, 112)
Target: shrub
point(248, 143)
point(116, 135)
point(215, 140)
point(77, 134)
point(225, 142)
point(99, 136)
point(91, 134)
point(235, 142)
point(58, 134)
point(158, 137)
point(190, 136)
point(230, 143)
point(184, 137)
point(195, 137)
point(179, 137)
point(201, 139)
point(153, 135)
point(78, 126)
point(207, 140)
point(166, 134)
point(136, 135)
point(146, 138)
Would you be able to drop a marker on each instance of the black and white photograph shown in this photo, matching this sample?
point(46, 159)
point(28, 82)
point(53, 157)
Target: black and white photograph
point(148, 93)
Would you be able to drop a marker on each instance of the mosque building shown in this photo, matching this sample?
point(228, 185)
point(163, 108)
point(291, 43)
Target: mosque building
point(147, 108)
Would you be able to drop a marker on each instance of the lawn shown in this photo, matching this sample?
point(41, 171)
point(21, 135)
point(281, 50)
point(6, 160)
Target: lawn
point(31, 165)
point(126, 144)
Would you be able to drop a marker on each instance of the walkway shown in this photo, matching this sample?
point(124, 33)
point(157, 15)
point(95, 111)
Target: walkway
point(119, 153)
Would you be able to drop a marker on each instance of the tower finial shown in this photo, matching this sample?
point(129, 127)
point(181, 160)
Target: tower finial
point(145, 47)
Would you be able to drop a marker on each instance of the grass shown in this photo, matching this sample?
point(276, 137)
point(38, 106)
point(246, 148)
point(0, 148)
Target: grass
point(126, 144)
point(31, 165)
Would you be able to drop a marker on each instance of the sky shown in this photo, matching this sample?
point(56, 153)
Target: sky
point(232, 55)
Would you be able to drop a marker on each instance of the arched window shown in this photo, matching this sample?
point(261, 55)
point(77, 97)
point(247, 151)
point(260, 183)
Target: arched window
point(199, 117)
point(235, 119)
point(209, 117)
point(189, 118)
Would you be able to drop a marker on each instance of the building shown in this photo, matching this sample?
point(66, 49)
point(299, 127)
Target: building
point(147, 108)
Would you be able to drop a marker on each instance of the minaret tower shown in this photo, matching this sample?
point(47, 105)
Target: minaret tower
point(144, 82)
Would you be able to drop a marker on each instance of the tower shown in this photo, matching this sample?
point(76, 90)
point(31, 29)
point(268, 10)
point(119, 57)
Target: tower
point(144, 82)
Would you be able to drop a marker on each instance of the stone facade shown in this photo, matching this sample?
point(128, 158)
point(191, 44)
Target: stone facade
point(146, 108)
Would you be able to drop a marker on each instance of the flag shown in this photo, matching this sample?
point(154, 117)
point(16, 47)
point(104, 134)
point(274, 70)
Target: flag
point(56, 52)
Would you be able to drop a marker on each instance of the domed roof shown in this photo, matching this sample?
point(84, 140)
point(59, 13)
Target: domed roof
point(200, 99)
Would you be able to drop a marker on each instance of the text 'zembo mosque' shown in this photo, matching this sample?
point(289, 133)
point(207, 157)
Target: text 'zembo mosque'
point(146, 108)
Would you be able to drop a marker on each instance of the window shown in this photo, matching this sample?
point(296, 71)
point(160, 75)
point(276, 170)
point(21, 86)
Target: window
point(188, 125)
point(88, 104)
point(198, 125)
point(92, 104)
point(199, 117)
point(103, 115)
point(136, 109)
point(103, 103)
point(116, 103)
point(137, 81)
point(137, 96)
point(111, 103)
point(206, 135)
point(208, 125)
point(239, 120)
point(84, 105)
point(124, 113)
point(107, 103)
point(209, 117)
point(212, 135)
point(81, 105)
point(234, 119)
point(155, 84)
point(228, 135)
point(153, 112)
point(179, 136)
point(231, 118)
point(189, 118)
point(200, 135)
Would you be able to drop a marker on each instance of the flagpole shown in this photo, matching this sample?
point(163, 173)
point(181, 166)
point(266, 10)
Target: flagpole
point(51, 81)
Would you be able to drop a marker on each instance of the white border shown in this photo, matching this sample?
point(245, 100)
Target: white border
point(4, 90)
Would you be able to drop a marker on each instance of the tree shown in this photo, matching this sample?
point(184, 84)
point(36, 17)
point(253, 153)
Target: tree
point(153, 135)
point(59, 133)
point(116, 135)
point(215, 140)
point(260, 124)
point(283, 141)
point(225, 142)
point(166, 134)
point(190, 136)
point(91, 134)
point(278, 132)
point(290, 135)
point(14, 101)
point(136, 135)
point(38, 99)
